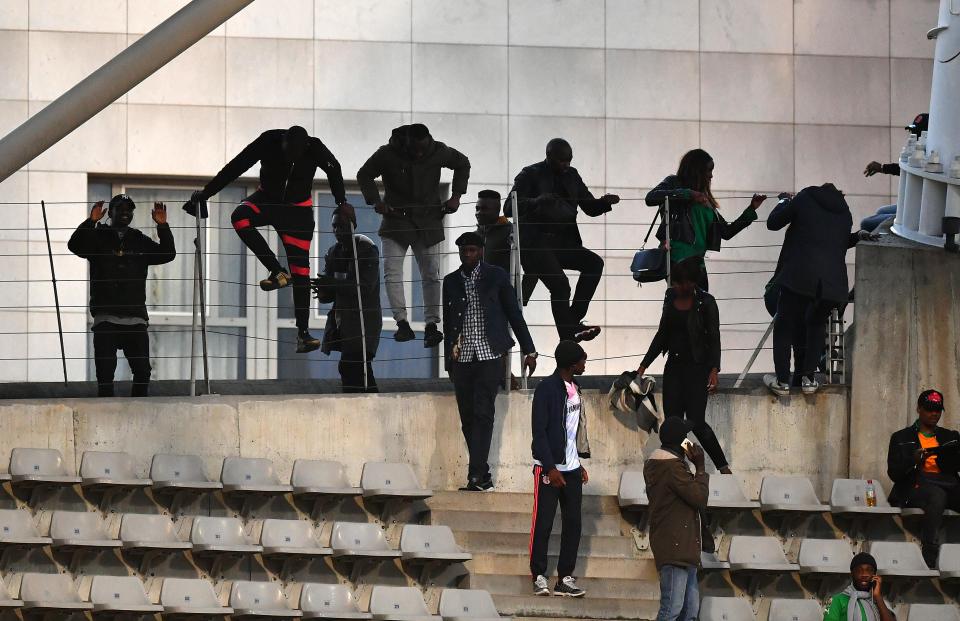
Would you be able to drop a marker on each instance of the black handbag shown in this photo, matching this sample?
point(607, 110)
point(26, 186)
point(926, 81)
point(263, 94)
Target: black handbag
point(650, 265)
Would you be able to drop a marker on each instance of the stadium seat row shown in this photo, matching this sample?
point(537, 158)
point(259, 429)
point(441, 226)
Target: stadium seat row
point(739, 609)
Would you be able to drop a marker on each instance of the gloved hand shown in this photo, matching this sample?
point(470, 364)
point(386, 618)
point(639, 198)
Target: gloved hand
point(196, 199)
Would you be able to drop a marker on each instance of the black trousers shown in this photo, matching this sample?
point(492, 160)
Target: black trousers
point(934, 499)
point(295, 224)
point(476, 385)
point(799, 318)
point(685, 396)
point(545, 500)
point(547, 263)
point(351, 370)
point(135, 344)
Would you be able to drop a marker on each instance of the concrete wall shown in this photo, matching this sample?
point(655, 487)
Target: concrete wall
point(907, 322)
point(760, 434)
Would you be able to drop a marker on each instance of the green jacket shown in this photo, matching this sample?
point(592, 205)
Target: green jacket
point(839, 604)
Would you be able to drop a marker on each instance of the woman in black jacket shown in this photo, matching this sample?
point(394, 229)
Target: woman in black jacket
point(689, 334)
point(696, 225)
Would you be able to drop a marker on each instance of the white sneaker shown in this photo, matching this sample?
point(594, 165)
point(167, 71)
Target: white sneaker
point(809, 386)
point(541, 586)
point(771, 382)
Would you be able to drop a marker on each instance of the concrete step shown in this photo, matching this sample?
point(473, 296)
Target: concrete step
point(518, 564)
point(519, 522)
point(510, 502)
point(604, 588)
point(478, 542)
point(579, 608)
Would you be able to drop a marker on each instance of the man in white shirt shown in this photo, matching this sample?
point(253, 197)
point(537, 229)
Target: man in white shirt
point(559, 442)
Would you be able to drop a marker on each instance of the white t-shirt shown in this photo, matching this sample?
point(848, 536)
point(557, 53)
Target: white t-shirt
point(573, 423)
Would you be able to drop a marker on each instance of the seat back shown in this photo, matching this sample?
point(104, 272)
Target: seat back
point(329, 598)
point(380, 475)
point(407, 601)
point(288, 534)
point(787, 491)
point(48, 588)
point(107, 465)
point(82, 525)
point(356, 536)
point(184, 468)
point(467, 603)
point(217, 531)
point(257, 596)
point(420, 538)
point(16, 523)
point(248, 471)
point(933, 612)
point(949, 557)
point(31, 461)
point(319, 473)
point(189, 593)
point(725, 609)
point(825, 553)
point(853, 493)
point(754, 549)
point(118, 590)
point(795, 610)
point(632, 485)
point(897, 556)
point(725, 488)
point(152, 528)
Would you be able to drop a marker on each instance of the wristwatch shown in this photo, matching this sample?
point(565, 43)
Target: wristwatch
point(533, 355)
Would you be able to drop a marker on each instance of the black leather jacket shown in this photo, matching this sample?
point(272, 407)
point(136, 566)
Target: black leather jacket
point(901, 467)
point(703, 326)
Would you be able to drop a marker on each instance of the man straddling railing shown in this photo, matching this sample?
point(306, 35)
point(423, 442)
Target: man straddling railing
point(288, 158)
point(119, 257)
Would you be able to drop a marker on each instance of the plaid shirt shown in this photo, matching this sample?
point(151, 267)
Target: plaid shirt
point(473, 339)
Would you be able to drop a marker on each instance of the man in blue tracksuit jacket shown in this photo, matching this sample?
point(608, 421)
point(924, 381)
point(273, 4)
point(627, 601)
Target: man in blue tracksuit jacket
point(559, 441)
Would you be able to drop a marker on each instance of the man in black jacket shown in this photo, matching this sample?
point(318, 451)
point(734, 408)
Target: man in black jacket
point(923, 461)
point(812, 277)
point(410, 165)
point(559, 429)
point(496, 230)
point(478, 305)
point(549, 193)
point(338, 284)
point(288, 158)
point(119, 257)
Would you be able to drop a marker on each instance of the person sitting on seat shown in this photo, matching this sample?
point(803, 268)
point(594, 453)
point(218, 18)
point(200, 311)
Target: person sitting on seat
point(863, 591)
point(923, 462)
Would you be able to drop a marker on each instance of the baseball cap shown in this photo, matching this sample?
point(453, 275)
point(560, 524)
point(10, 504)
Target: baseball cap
point(931, 400)
point(920, 123)
point(122, 199)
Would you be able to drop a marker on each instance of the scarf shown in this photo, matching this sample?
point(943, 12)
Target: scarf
point(865, 599)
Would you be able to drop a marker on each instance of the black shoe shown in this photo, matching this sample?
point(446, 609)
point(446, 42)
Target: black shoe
point(478, 485)
point(306, 342)
point(930, 555)
point(432, 336)
point(276, 280)
point(567, 587)
point(586, 333)
point(404, 332)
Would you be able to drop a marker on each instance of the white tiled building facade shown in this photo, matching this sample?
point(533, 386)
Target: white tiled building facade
point(783, 94)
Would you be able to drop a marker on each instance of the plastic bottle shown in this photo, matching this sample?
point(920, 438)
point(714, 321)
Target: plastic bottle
point(871, 494)
point(955, 168)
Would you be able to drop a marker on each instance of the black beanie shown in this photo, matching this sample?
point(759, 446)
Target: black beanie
point(673, 431)
point(568, 353)
point(863, 559)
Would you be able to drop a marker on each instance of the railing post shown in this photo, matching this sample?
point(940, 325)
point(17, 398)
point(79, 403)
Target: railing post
point(363, 323)
point(517, 273)
point(56, 294)
point(756, 352)
point(666, 237)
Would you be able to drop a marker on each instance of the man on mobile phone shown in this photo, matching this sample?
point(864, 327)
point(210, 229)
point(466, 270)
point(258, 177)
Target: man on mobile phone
point(677, 497)
point(923, 462)
point(559, 426)
point(863, 592)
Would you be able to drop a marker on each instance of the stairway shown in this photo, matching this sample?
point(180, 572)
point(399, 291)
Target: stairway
point(621, 581)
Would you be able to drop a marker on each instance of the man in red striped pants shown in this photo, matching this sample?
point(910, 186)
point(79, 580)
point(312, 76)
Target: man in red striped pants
point(288, 158)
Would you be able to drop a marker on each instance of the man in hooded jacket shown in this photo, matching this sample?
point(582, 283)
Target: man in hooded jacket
point(409, 166)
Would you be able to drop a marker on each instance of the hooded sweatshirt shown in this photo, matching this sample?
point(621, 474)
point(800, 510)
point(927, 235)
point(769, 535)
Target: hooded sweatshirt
point(676, 498)
point(412, 187)
point(813, 258)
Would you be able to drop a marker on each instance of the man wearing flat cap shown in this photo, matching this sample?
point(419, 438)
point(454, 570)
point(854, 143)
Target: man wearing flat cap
point(479, 304)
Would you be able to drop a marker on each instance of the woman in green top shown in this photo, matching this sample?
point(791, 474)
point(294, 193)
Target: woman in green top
point(695, 221)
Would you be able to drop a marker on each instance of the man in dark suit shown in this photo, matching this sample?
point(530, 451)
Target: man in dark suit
point(923, 462)
point(479, 304)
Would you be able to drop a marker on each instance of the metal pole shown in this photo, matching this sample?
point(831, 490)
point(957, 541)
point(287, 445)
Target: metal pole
point(56, 294)
point(201, 287)
point(517, 278)
point(666, 237)
point(193, 331)
point(756, 352)
point(111, 81)
point(363, 323)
